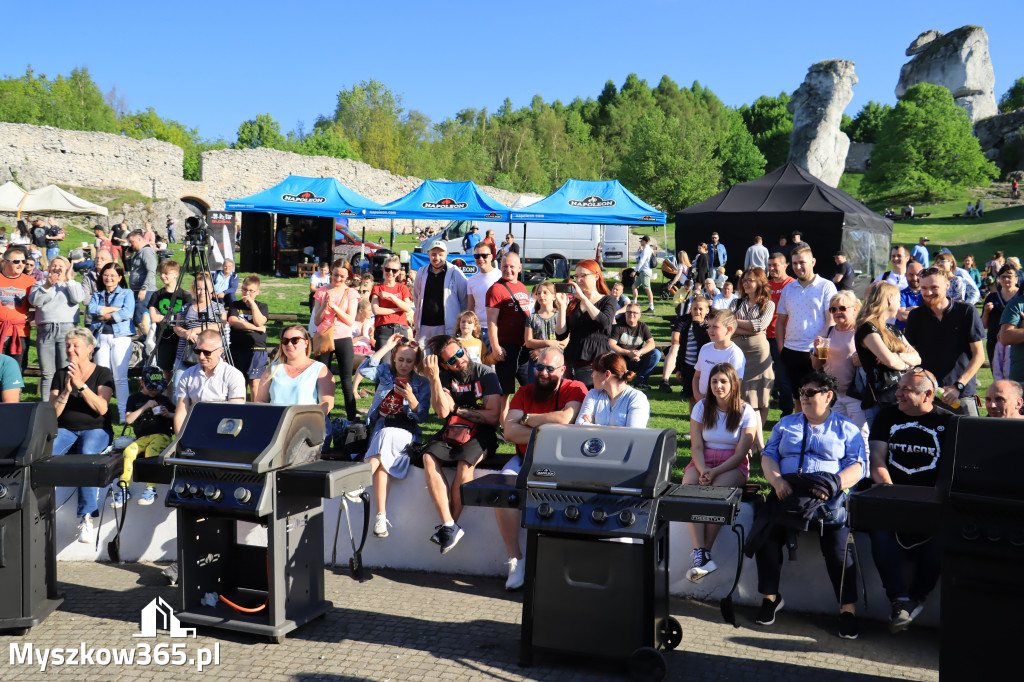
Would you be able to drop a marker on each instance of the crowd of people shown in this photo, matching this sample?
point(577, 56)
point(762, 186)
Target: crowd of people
point(494, 360)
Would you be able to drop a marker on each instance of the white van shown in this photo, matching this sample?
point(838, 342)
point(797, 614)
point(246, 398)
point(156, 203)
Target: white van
point(546, 241)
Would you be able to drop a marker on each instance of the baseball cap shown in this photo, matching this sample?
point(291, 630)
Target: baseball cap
point(796, 233)
point(645, 238)
point(839, 253)
point(154, 381)
point(439, 245)
point(925, 239)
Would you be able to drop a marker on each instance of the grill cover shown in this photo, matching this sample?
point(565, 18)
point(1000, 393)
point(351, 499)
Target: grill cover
point(252, 437)
point(27, 432)
point(600, 459)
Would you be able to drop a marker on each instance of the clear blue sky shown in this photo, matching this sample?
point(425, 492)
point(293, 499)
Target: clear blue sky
point(215, 64)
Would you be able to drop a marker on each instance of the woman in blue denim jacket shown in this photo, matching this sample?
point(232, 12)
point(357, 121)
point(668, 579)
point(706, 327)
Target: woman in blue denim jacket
point(400, 404)
point(112, 308)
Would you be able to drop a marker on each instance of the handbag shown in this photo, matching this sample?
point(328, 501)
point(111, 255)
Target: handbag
point(188, 355)
point(883, 384)
point(323, 342)
point(458, 431)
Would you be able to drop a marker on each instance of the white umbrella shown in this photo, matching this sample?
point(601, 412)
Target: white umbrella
point(11, 196)
point(52, 200)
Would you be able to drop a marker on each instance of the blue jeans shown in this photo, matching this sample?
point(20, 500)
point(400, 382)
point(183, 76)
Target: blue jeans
point(645, 365)
point(52, 352)
point(141, 307)
point(87, 442)
point(888, 556)
point(52, 252)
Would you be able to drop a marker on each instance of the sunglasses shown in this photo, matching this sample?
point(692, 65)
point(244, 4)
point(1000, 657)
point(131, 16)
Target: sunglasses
point(551, 369)
point(921, 370)
point(456, 356)
point(931, 272)
point(481, 256)
point(840, 308)
point(393, 270)
point(811, 392)
point(12, 261)
point(207, 353)
point(292, 340)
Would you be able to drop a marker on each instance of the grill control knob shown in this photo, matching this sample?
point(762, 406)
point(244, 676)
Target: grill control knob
point(193, 489)
point(3, 490)
point(970, 531)
point(627, 517)
point(545, 510)
point(599, 515)
point(213, 493)
point(180, 490)
point(572, 513)
point(243, 495)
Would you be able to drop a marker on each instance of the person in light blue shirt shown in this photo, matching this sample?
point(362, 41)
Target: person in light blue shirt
point(920, 252)
point(471, 239)
point(613, 402)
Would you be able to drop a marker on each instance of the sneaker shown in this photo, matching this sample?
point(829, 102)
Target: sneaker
point(650, 309)
point(766, 616)
point(516, 574)
point(380, 525)
point(641, 385)
point(353, 495)
point(702, 565)
point(449, 536)
point(904, 611)
point(436, 537)
point(121, 495)
point(86, 531)
point(665, 388)
point(848, 628)
point(148, 496)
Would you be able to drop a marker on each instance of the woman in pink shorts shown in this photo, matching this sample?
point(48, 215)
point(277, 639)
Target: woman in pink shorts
point(720, 441)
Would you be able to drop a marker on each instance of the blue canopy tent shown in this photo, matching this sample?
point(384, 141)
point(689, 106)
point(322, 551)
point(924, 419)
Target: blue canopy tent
point(441, 200)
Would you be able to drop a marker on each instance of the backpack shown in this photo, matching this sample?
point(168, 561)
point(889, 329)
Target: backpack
point(654, 258)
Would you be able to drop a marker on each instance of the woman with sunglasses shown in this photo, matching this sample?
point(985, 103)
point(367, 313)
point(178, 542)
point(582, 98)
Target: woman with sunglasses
point(883, 351)
point(754, 313)
point(723, 429)
point(294, 378)
point(400, 404)
point(392, 304)
point(335, 311)
point(841, 359)
point(112, 309)
point(811, 457)
point(56, 300)
point(612, 401)
point(588, 321)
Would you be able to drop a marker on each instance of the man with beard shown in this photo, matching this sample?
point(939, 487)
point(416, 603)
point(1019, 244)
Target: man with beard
point(467, 396)
point(1004, 399)
point(905, 448)
point(550, 399)
point(949, 336)
point(439, 294)
point(910, 297)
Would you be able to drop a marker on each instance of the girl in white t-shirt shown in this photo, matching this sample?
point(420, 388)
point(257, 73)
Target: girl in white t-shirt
point(720, 441)
point(721, 326)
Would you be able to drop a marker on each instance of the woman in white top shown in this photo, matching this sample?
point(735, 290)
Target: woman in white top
point(842, 361)
point(720, 442)
point(294, 377)
point(612, 401)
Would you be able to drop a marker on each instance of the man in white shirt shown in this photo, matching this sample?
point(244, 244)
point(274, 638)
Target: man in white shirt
point(644, 272)
point(478, 284)
point(802, 315)
point(212, 380)
point(757, 256)
point(900, 258)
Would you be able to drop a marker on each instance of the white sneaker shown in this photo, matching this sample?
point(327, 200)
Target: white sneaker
point(380, 525)
point(516, 574)
point(86, 532)
point(353, 495)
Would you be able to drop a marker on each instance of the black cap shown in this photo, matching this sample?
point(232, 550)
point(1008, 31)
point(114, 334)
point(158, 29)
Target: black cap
point(796, 233)
point(839, 253)
point(645, 238)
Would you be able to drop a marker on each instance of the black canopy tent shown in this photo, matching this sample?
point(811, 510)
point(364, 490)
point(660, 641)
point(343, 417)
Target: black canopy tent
point(789, 198)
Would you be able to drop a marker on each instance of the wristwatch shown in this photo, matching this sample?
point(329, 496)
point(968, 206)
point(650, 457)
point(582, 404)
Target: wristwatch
point(524, 418)
point(959, 386)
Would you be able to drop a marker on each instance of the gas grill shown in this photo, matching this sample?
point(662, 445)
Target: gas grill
point(28, 474)
point(258, 463)
point(977, 513)
point(596, 502)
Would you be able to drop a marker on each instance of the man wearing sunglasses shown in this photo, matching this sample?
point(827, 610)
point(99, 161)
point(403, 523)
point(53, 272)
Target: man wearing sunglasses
point(905, 448)
point(15, 286)
point(550, 399)
point(478, 284)
point(439, 293)
point(467, 396)
point(212, 380)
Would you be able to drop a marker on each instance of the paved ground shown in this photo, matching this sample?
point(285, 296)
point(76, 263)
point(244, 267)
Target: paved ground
point(419, 626)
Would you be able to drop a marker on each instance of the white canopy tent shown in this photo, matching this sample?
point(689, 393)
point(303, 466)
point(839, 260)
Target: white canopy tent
point(52, 200)
point(11, 196)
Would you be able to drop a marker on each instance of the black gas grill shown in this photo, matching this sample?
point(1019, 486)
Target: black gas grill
point(28, 474)
point(977, 513)
point(260, 463)
point(596, 503)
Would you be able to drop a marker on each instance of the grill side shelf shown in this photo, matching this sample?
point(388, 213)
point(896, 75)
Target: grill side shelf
point(493, 490)
point(701, 504)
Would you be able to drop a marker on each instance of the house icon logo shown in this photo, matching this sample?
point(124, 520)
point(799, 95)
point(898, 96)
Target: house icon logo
point(158, 615)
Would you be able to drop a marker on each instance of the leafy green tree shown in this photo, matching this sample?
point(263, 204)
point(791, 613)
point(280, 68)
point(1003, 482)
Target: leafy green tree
point(771, 124)
point(926, 151)
point(371, 116)
point(327, 142)
point(868, 122)
point(23, 99)
point(1014, 97)
point(76, 103)
point(263, 131)
point(740, 158)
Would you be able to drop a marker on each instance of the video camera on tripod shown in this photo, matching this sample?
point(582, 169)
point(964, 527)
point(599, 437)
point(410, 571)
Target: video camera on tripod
point(196, 231)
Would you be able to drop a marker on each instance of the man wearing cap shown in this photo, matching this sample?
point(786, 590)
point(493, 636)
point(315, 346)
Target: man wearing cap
point(439, 294)
point(844, 273)
point(1004, 399)
point(471, 239)
point(920, 252)
point(151, 414)
point(644, 272)
point(798, 240)
point(757, 256)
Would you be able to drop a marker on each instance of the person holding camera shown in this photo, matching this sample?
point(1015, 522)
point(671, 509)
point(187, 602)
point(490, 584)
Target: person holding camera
point(588, 322)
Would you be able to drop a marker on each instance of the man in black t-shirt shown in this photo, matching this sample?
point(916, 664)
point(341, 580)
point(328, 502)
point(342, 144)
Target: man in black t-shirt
point(906, 447)
point(633, 341)
point(160, 307)
point(467, 396)
point(151, 414)
point(247, 318)
point(844, 273)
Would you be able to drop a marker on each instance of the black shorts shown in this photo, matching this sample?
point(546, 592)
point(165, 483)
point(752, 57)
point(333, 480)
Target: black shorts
point(251, 363)
point(473, 452)
point(687, 373)
point(167, 353)
point(516, 365)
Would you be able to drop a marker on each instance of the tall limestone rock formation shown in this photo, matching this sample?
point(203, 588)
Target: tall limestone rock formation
point(960, 62)
point(817, 106)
